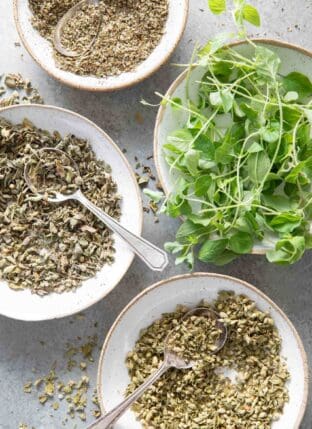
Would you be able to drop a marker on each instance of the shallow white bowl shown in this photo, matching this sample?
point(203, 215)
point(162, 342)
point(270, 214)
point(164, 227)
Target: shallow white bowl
point(26, 306)
point(189, 289)
point(294, 58)
point(41, 50)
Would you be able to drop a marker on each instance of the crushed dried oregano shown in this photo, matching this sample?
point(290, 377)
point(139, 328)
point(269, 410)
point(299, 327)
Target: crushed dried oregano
point(205, 397)
point(47, 247)
point(194, 338)
point(129, 32)
point(59, 387)
point(14, 89)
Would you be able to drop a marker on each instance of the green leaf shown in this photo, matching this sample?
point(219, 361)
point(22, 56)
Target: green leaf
point(258, 165)
point(177, 103)
point(225, 258)
point(202, 185)
point(217, 6)
point(241, 243)
point(173, 247)
point(299, 83)
point(222, 99)
point(189, 232)
point(278, 202)
point(211, 250)
point(267, 63)
point(291, 96)
point(251, 15)
point(255, 147)
point(191, 159)
point(179, 141)
point(287, 251)
point(286, 222)
point(155, 196)
point(271, 132)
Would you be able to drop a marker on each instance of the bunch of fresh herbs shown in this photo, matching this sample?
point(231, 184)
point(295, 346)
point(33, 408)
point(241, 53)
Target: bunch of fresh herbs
point(243, 159)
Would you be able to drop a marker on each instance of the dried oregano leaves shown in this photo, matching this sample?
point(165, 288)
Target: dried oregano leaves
point(14, 89)
point(194, 338)
point(204, 397)
point(129, 32)
point(49, 247)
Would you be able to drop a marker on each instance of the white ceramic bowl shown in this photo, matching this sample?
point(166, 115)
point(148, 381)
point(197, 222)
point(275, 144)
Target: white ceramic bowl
point(41, 51)
point(294, 58)
point(26, 306)
point(189, 289)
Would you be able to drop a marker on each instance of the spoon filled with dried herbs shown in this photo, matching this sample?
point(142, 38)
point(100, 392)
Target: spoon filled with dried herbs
point(199, 334)
point(91, 28)
point(53, 176)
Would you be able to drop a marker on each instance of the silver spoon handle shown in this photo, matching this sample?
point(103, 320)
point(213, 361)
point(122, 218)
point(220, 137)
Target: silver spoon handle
point(155, 258)
point(110, 418)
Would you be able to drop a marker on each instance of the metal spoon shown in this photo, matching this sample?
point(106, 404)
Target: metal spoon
point(155, 258)
point(171, 360)
point(58, 31)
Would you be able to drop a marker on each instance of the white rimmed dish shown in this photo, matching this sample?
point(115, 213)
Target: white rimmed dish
point(294, 58)
point(189, 289)
point(41, 50)
point(24, 305)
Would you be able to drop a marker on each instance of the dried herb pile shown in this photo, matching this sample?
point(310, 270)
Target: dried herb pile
point(194, 338)
point(50, 247)
point(203, 397)
point(129, 32)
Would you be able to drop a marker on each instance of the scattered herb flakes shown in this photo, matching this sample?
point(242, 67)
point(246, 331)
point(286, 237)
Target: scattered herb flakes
point(139, 118)
point(28, 387)
point(129, 32)
point(47, 247)
point(14, 89)
point(204, 397)
point(55, 387)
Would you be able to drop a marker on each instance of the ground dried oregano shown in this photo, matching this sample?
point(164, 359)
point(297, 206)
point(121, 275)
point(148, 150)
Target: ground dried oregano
point(48, 247)
point(206, 396)
point(129, 32)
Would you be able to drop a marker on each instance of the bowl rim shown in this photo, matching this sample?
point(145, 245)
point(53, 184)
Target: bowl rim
point(164, 282)
point(259, 249)
point(138, 195)
point(95, 88)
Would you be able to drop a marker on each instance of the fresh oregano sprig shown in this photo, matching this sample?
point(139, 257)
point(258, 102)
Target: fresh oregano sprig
point(242, 161)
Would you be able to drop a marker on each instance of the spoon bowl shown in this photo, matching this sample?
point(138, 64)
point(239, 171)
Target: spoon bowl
point(156, 259)
point(171, 360)
point(57, 35)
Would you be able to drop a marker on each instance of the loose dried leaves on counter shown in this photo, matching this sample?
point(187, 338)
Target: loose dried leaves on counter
point(49, 247)
point(14, 89)
point(129, 32)
point(204, 396)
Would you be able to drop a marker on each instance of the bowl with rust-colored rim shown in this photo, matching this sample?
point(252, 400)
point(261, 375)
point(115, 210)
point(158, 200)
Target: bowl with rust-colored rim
point(189, 290)
point(24, 305)
point(42, 52)
point(293, 58)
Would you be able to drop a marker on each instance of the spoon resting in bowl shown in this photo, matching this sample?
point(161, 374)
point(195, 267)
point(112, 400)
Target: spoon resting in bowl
point(155, 258)
point(171, 360)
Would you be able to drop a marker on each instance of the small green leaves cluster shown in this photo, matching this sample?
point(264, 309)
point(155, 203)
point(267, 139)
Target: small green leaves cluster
point(242, 12)
point(242, 162)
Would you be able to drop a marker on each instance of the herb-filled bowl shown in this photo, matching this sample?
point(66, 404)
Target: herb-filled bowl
point(56, 258)
point(137, 322)
point(112, 65)
point(244, 116)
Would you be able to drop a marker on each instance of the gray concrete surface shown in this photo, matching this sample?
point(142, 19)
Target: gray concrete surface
point(33, 347)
